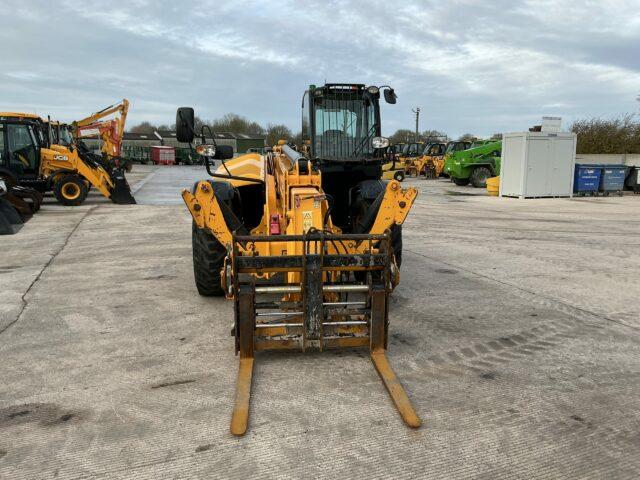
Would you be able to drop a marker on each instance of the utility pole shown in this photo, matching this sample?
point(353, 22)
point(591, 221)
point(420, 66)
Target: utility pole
point(417, 112)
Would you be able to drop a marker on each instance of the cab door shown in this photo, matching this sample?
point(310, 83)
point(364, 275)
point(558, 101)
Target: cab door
point(22, 150)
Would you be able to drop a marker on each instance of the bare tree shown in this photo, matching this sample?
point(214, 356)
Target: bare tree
point(403, 135)
point(277, 132)
point(144, 127)
point(234, 123)
point(434, 136)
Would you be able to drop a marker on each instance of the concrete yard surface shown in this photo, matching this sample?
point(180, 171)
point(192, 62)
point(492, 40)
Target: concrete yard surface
point(515, 331)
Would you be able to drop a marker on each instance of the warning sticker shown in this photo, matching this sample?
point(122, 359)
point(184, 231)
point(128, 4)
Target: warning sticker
point(307, 220)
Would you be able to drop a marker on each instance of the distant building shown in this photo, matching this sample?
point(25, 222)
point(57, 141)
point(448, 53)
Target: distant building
point(240, 142)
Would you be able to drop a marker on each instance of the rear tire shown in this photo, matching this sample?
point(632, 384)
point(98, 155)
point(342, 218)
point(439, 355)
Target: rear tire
point(71, 190)
point(461, 182)
point(208, 261)
point(479, 177)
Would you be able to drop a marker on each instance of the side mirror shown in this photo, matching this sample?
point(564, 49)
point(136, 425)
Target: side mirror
point(185, 120)
point(390, 95)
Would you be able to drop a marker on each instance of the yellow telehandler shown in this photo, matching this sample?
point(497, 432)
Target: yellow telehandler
point(307, 244)
point(30, 154)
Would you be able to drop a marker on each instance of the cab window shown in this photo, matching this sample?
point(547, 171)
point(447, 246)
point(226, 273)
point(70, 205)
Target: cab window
point(413, 149)
point(22, 151)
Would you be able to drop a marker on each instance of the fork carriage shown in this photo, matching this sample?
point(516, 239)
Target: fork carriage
point(333, 298)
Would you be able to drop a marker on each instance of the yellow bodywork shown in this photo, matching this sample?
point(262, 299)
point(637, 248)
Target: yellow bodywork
point(296, 198)
point(418, 166)
point(391, 169)
point(57, 160)
point(18, 115)
point(319, 264)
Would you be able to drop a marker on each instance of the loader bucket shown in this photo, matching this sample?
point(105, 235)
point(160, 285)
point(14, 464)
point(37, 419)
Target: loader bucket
point(5, 225)
point(121, 192)
point(9, 217)
point(27, 199)
point(334, 295)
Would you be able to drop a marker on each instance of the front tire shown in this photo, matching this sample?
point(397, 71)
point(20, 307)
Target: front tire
point(71, 190)
point(479, 177)
point(399, 175)
point(461, 182)
point(208, 261)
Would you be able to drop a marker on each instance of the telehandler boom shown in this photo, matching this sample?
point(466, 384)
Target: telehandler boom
point(307, 243)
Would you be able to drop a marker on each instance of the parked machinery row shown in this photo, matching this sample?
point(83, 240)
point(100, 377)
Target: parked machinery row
point(465, 162)
point(39, 156)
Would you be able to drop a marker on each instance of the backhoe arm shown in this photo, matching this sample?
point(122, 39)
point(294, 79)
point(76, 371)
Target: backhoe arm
point(111, 131)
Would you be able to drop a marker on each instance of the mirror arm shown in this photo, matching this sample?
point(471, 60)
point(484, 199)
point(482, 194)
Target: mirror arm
point(229, 177)
point(207, 165)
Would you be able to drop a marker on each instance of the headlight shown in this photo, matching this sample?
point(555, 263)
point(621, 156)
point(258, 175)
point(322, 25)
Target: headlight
point(373, 90)
point(3, 187)
point(380, 142)
point(206, 150)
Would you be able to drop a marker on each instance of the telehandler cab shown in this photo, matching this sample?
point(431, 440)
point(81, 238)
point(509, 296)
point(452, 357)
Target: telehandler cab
point(28, 151)
point(307, 244)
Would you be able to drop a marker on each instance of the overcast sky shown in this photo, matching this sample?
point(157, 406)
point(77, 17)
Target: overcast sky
point(472, 66)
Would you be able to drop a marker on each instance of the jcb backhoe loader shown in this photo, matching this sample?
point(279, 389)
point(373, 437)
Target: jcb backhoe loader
point(28, 152)
point(307, 244)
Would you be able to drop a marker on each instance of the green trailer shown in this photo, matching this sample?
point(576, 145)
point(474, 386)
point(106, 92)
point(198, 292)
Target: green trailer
point(137, 154)
point(475, 164)
point(184, 156)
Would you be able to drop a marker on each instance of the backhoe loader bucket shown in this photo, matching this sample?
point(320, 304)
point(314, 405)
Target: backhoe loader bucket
point(10, 219)
point(26, 200)
point(334, 295)
point(121, 193)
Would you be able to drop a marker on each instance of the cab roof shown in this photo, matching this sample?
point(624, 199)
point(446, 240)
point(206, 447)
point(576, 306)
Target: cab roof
point(32, 116)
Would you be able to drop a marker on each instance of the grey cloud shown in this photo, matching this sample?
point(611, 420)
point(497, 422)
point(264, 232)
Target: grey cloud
point(481, 67)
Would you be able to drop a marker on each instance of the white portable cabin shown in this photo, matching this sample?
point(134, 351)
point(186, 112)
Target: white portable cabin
point(537, 164)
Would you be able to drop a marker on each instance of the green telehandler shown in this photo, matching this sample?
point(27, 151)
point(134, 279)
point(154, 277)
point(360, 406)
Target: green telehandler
point(475, 164)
